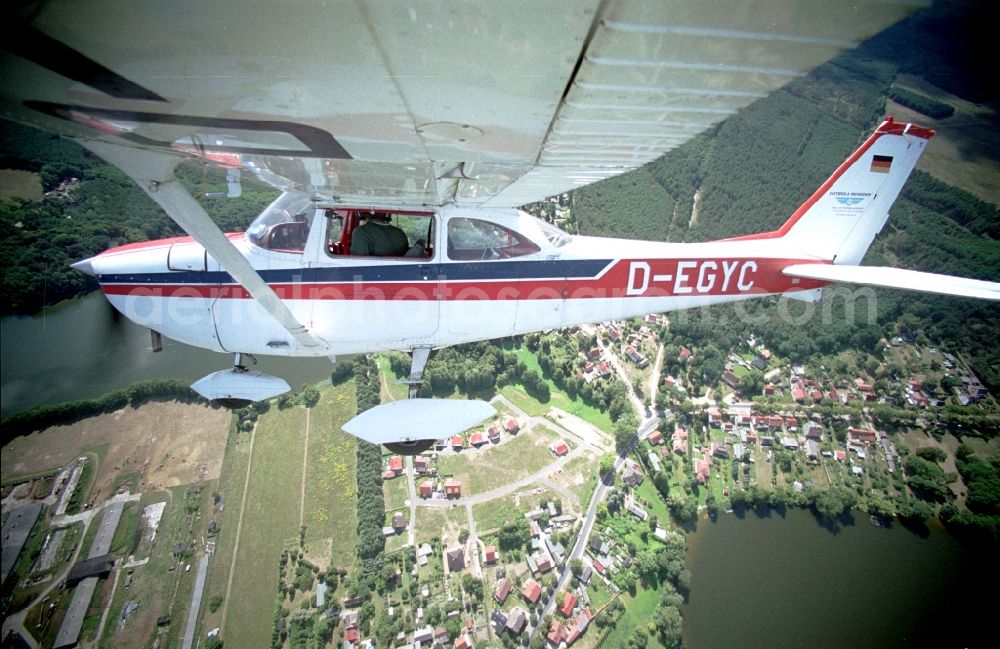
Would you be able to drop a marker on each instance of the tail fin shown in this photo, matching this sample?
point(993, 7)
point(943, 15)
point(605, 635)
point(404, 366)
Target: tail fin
point(841, 219)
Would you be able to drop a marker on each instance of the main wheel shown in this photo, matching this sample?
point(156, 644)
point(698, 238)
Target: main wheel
point(415, 447)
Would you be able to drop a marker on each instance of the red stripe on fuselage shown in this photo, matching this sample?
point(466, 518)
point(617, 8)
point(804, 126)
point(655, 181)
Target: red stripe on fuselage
point(626, 278)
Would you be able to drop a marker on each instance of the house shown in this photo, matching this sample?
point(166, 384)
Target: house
point(504, 586)
point(685, 354)
point(730, 379)
point(452, 488)
point(421, 464)
point(559, 448)
point(759, 363)
point(463, 642)
point(396, 464)
point(423, 635)
point(636, 510)
point(603, 369)
point(702, 469)
point(655, 461)
point(440, 635)
point(813, 430)
point(398, 521)
point(714, 416)
point(532, 591)
point(534, 529)
point(655, 437)
point(513, 426)
point(423, 552)
point(679, 439)
point(631, 476)
point(516, 621)
point(350, 635)
point(456, 558)
point(426, 489)
point(585, 574)
point(557, 633)
point(861, 386)
point(569, 603)
point(766, 440)
point(498, 621)
point(790, 443)
point(477, 439)
point(457, 443)
point(99, 566)
point(351, 601)
point(350, 619)
point(544, 563)
point(594, 353)
point(494, 434)
point(768, 390)
point(861, 435)
point(490, 555)
point(719, 450)
point(812, 449)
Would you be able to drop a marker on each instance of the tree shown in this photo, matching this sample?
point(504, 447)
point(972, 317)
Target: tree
point(669, 626)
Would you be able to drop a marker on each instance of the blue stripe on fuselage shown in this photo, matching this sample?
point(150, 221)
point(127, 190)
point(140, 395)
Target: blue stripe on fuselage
point(402, 272)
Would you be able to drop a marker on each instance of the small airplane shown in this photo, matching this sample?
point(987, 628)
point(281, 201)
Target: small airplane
point(586, 92)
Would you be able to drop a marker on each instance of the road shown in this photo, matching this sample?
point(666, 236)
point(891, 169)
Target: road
point(647, 425)
point(199, 588)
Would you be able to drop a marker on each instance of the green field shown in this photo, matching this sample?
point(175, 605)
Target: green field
point(493, 514)
point(559, 399)
point(395, 492)
point(432, 521)
point(638, 613)
point(22, 184)
point(330, 502)
point(495, 466)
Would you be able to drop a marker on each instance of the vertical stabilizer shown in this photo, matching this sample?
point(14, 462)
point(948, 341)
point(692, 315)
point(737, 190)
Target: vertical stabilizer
point(841, 219)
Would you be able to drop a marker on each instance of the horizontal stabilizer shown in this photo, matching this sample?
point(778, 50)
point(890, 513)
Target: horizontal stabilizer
point(410, 420)
point(910, 280)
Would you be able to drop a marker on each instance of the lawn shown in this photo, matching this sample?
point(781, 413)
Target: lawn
point(330, 506)
point(580, 476)
point(558, 398)
point(395, 492)
point(638, 613)
point(432, 521)
point(495, 466)
point(270, 522)
point(491, 515)
point(391, 391)
point(652, 502)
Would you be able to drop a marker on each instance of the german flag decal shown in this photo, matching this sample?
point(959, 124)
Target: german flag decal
point(881, 163)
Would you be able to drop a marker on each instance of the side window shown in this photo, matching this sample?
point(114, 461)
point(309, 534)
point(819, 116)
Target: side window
point(478, 239)
point(382, 239)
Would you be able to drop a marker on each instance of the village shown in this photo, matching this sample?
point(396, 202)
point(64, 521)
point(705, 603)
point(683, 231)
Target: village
point(516, 533)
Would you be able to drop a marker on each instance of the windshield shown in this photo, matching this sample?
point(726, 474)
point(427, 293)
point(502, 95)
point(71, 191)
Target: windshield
point(284, 224)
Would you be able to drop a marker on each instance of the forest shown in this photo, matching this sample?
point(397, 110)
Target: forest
point(79, 218)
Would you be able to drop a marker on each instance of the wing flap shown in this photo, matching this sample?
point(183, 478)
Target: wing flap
point(910, 280)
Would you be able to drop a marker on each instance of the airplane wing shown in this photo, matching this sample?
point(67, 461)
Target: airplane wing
point(887, 277)
point(382, 102)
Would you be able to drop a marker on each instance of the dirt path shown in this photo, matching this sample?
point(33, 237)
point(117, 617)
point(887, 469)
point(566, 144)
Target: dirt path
point(239, 527)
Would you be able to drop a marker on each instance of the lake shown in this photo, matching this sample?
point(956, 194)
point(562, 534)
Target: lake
point(786, 581)
point(83, 348)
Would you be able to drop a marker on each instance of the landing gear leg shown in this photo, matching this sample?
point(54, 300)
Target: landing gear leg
point(418, 362)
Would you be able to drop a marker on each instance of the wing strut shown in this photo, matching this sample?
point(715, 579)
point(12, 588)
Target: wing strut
point(153, 171)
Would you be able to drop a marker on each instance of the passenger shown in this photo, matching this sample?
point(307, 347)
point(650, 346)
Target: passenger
point(379, 237)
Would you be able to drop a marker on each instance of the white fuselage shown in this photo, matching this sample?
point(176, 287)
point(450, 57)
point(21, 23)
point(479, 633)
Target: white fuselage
point(355, 304)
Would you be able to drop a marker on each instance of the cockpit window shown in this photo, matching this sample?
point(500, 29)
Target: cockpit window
point(556, 237)
point(284, 225)
point(478, 239)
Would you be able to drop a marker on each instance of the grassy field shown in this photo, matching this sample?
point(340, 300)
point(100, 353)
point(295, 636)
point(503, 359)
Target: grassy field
point(498, 511)
point(490, 467)
point(559, 399)
point(391, 391)
point(330, 506)
point(432, 521)
point(579, 475)
point(395, 492)
point(270, 521)
point(639, 612)
point(162, 586)
point(22, 184)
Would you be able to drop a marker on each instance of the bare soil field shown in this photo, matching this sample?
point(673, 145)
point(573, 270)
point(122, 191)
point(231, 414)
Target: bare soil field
point(167, 444)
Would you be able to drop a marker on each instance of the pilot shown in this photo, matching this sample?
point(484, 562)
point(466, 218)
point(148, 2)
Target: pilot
point(379, 237)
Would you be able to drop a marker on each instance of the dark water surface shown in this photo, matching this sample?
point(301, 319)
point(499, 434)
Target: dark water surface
point(82, 348)
point(786, 581)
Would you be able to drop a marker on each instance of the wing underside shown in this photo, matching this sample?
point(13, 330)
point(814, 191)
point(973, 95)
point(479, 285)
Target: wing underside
point(383, 102)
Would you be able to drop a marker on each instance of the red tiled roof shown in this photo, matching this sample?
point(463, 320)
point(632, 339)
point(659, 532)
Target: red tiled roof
point(532, 591)
point(457, 441)
point(569, 601)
